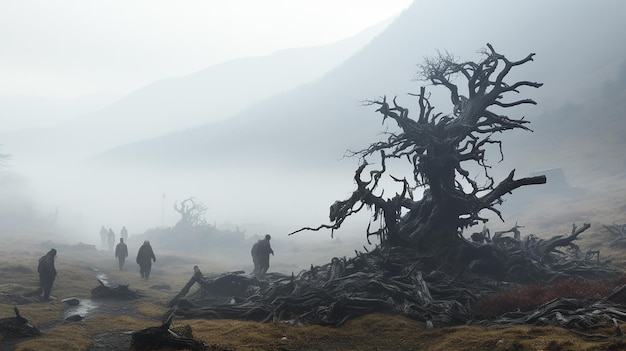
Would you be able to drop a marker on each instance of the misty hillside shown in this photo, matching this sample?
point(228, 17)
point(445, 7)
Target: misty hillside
point(310, 127)
point(278, 160)
point(215, 93)
point(585, 136)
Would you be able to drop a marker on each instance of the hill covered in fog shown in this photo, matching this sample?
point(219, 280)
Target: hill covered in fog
point(311, 126)
point(178, 103)
point(280, 160)
point(260, 141)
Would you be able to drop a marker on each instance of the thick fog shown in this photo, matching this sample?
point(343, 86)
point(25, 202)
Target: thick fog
point(253, 123)
point(72, 48)
point(86, 81)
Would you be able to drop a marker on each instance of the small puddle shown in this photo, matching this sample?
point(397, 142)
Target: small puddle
point(85, 308)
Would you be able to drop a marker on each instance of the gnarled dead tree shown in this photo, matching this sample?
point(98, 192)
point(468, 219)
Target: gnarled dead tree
point(191, 213)
point(438, 147)
point(424, 268)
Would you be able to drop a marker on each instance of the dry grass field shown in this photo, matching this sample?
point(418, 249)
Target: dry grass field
point(108, 326)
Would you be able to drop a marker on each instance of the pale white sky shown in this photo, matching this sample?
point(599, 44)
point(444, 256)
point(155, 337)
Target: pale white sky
point(68, 48)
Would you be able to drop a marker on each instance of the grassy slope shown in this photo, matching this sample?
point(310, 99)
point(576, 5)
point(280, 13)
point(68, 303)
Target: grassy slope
point(374, 332)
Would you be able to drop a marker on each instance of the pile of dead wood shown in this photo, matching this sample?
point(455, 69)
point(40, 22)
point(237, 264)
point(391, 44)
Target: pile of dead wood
point(326, 295)
point(394, 280)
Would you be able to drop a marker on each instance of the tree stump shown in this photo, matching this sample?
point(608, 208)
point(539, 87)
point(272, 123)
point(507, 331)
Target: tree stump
point(17, 327)
point(156, 338)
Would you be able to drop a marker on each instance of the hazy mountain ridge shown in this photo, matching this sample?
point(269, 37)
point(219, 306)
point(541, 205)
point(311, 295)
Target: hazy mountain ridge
point(278, 150)
point(174, 104)
point(314, 124)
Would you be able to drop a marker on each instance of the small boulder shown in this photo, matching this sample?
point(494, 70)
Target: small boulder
point(74, 318)
point(72, 301)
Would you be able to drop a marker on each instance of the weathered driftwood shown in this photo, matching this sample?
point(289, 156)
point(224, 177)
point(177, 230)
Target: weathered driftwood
point(194, 278)
point(534, 260)
point(392, 280)
point(576, 314)
point(120, 292)
point(224, 285)
point(162, 337)
point(544, 248)
point(517, 235)
point(17, 327)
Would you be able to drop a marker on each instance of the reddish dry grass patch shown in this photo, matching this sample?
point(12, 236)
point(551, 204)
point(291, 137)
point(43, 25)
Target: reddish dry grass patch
point(532, 296)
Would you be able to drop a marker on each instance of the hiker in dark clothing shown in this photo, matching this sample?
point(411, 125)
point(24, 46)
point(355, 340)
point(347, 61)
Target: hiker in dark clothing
point(47, 273)
point(121, 252)
point(261, 256)
point(145, 257)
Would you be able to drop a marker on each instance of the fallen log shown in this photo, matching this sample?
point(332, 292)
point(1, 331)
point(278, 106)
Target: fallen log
point(549, 246)
point(224, 286)
point(572, 314)
point(185, 290)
